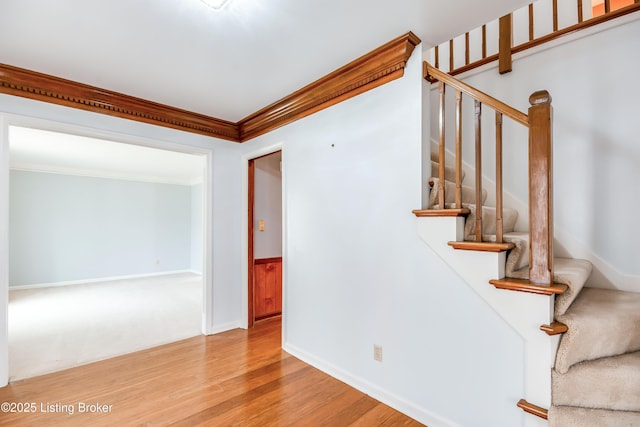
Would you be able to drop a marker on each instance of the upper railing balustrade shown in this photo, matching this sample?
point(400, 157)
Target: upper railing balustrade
point(525, 28)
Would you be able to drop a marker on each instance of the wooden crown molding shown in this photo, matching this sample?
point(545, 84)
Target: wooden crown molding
point(43, 87)
point(376, 68)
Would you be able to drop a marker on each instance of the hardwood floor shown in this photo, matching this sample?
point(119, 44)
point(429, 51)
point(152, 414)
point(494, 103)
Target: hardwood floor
point(240, 378)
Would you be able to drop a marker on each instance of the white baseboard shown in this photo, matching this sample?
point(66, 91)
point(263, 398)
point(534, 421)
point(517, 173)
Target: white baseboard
point(217, 329)
point(396, 402)
point(96, 280)
point(604, 275)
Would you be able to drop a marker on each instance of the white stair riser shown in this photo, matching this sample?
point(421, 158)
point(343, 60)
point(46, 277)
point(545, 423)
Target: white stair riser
point(523, 312)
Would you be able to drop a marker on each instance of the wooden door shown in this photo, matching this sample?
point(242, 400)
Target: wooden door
point(267, 287)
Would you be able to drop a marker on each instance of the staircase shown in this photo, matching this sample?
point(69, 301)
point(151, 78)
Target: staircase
point(593, 375)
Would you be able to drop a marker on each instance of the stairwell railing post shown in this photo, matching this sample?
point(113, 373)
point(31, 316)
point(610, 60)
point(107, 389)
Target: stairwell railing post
point(541, 188)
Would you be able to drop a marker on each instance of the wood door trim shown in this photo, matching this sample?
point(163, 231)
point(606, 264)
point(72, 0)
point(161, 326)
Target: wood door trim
point(250, 252)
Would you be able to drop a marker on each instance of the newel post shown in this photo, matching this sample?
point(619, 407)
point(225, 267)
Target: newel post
point(540, 188)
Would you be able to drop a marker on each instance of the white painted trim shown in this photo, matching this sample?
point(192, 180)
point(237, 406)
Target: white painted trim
point(283, 176)
point(95, 280)
point(48, 125)
point(4, 251)
point(218, 329)
point(7, 120)
point(604, 275)
point(408, 408)
point(207, 245)
point(87, 173)
point(244, 167)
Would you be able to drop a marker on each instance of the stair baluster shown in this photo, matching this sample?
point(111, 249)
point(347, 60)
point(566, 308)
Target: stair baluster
point(458, 149)
point(441, 198)
point(595, 367)
point(478, 127)
point(499, 211)
point(548, 27)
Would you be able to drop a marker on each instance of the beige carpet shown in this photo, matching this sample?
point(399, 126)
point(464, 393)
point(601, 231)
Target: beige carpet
point(51, 329)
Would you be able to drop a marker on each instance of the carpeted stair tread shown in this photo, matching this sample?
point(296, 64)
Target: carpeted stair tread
point(569, 416)
point(509, 218)
point(602, 323)
point(596, 378)
point(607, 383)
point(518, 257)
point(449, 172)
point(567, 271)
point(435, 155)
point(468, 193)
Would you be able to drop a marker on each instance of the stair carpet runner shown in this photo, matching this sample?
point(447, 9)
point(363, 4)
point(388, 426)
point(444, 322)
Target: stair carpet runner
point(596, 377)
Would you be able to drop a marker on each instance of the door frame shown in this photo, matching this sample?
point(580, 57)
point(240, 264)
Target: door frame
point(7, 120)
point(249, 190)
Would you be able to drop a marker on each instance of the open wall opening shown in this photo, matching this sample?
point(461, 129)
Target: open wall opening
point(105, 249)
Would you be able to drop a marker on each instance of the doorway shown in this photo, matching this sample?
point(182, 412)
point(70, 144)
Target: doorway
point(264, 237)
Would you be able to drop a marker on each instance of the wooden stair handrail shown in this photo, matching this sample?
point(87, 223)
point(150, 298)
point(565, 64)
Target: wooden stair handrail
point(539, 124)
point(432, 73)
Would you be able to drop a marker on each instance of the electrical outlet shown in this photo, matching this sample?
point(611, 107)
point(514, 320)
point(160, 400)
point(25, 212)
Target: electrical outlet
point(377, 352)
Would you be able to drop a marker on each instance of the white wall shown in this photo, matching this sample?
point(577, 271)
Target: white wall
point(357, 274)
point(268, 207)
point(592, 79)
point(76, 228)
point(222, 268)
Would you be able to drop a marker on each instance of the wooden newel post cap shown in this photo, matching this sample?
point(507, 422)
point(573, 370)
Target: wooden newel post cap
point(540, 97)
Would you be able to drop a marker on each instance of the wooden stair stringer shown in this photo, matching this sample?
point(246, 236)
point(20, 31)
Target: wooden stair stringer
point(523, 312)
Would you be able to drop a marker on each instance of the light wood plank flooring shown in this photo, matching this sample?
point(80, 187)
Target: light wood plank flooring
point(240, 378)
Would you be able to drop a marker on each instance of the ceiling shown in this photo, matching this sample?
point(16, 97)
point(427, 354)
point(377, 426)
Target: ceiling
point(225, 64)
point(38, 150)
